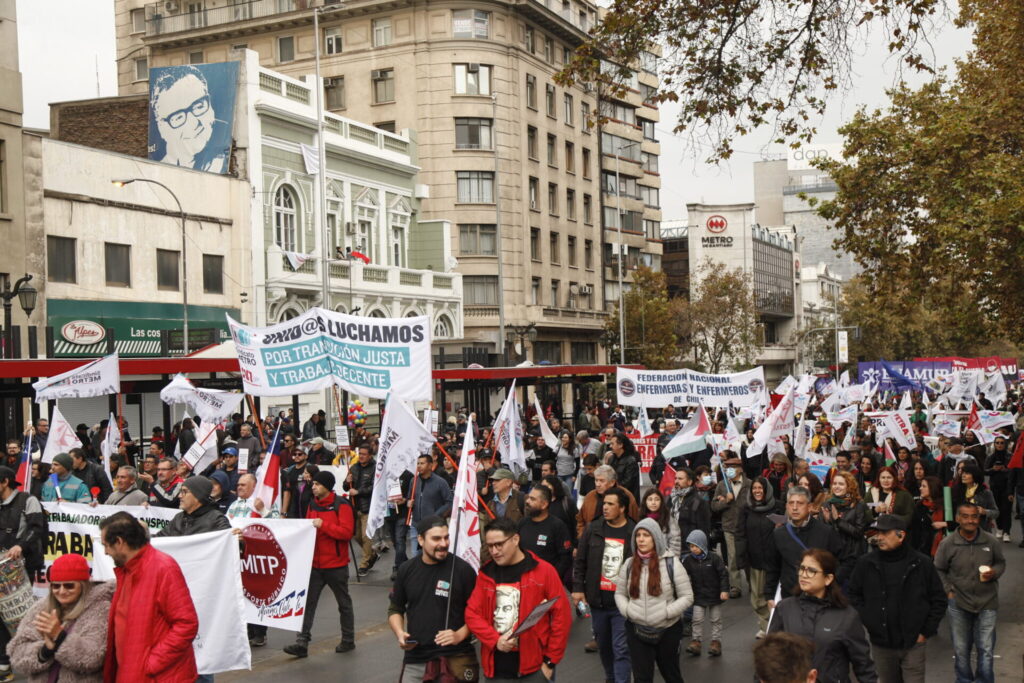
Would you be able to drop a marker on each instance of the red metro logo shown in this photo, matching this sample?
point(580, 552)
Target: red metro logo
point(264, 565)
point(717, 224)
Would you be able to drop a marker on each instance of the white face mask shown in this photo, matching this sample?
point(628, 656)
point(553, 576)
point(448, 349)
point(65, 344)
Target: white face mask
point(706, 480)
point(730, 472)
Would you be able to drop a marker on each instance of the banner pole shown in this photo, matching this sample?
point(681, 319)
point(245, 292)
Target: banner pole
point(259, 422)
point(120, 416)
point(454, 464)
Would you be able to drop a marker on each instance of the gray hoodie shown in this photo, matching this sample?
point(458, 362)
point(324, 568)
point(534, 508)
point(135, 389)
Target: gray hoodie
point(654, 611)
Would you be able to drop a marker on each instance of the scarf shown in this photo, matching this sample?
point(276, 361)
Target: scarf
point(840, 503)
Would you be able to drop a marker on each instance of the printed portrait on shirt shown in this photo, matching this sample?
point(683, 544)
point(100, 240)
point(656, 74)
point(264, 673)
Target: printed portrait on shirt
point(611, 561)
point(506, 608)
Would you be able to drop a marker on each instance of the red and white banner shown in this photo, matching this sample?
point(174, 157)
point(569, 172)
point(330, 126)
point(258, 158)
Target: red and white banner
point(465, 511)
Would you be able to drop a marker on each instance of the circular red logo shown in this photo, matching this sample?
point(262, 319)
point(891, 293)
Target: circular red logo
point(717, 224)
point(991, 365)
point(264, 565)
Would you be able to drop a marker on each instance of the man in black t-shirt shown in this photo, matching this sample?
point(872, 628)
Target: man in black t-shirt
point(429, 599)
point(545, 535)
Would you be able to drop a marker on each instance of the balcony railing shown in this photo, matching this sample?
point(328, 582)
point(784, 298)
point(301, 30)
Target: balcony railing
point(173, 16)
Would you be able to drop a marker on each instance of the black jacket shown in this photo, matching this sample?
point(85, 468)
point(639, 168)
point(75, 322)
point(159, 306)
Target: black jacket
point(920, 605)
point(586, 575)
point(206, 518)
point(709, 578)
point(837, 634)
point(755, 548)
point(627, 471)
point(850, 526)
point(814, 534)
point(93, 477)
point(361, 488)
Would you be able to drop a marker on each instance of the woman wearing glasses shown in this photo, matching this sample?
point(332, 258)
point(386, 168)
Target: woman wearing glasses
point(63, 637)
point(821, 613)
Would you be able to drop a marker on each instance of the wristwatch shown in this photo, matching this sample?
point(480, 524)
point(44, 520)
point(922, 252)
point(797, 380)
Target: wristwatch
point(549, 664)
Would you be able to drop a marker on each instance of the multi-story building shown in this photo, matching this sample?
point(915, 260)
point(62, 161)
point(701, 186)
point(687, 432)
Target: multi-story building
point(509, 156)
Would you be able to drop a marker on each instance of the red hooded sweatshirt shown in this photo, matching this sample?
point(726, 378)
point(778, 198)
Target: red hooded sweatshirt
point(331, 549)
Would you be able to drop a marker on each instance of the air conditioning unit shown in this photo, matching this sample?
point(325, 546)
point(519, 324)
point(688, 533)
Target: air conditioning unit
point(473, 68)
point(171, 6)
point(333, 82)
point(586, 289)
point(350, 228)
point(378, 73)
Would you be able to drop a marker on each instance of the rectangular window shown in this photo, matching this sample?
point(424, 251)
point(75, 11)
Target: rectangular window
point(652, 229)
point(583, 353)
point(650, 195)
point(142, 69)
point(555, 285)
point(480, 290)
point(118, 264)
point(649, 162)
point(570, 157)
point(531, 91)
point(566, 55)
point(549, 50)
point(286, 49)
point(570, 204)
point(195, 57)
point(61, 259)
point(529, 40)
point(472, 79)
point(648, 127)
point(138, 21)
point(535, 291)
point(625, 185)
point(551, 351)
point(332, 40)
point(383, 85)
point(534, 194)
point(167, 269)
point(475, 187)
point(531, 142)
point(334, 93)
point(470, 23)
point(588, 254)
point(553, 199)
point(620, 147)
point(549, 100)
point(588, 209)
point(647, 92)
point(553, 255)
point(196, 15)
point(534, 244)
point(618, 112)
point(552, 158)
point(478, 239)
point(386, 126)
point(382, 32)
point(571, 249)
point(567, 101)
point(649, 62)
point(213, 274)
point(3, 177)
point(473, 133)
point(585, 117)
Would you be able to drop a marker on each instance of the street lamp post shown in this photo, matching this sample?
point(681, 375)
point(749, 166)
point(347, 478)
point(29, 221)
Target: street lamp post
point(621, 247)
point(522, 333)
point(26, 294)
point(184, 258)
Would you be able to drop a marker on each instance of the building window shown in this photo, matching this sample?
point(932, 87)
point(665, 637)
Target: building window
point(647, 92)
point(382, 32)
point(534, 244)
point(567, 101)
point(566, 55)
point(534, 194)
point(620, 147)
point(195, 57)
point(618, 112)
point(480, 290)
point(386, 126)
point(588, 209)
point(553, 255)
point(478, 239)
point(138, 21)
point(583, 353)
point(167, 269)
point(570, 157)
point(570, 204)
point(470, 23)
point(549, 100)
point(649, 162)
point(61, 259)
point(586, 163)
point(285, 49)
point(535, 291)
point(332, 40)
point(588, 254)
point(473, 133)
point(528, 35)
point(472, 79)
point(531, 91)
point(213, 274)
point(648, 127)
point(553, 199)
point(649, 62)
point(383, 85)
point(555, 286)
point(142, 69)
point(475, 187)
point(531, 142)
point(585, 117)
point(118, 264)
point(3, 177)
point(285, 218)
point(550, 351)
point(570, 247)
point(552, 159)
point(196, 15)
point(652, 229)
point(650, 196)
point(334, 92)
point(549, 50)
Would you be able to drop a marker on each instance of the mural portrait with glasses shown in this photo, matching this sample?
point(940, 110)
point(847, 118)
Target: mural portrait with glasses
point(191, 109)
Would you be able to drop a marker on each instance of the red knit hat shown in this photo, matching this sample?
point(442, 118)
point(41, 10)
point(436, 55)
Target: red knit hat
point(70, 567)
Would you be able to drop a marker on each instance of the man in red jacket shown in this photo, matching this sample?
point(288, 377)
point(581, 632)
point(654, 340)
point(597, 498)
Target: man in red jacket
point(152, 620)
point(507, 589)
point(334, 522)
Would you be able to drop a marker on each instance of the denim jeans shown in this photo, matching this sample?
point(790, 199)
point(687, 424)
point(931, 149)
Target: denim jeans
point(610, 631)
point(977, 630)
point(399, 534)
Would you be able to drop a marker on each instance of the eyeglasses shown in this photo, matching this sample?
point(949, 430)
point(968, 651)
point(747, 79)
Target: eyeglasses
point(811, 572)
point(63, 586)
point(198, 108)
point(497, 546)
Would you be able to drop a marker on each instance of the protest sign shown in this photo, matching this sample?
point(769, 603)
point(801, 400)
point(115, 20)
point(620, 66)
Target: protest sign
point(659, 388)
point(212, 405)
point(646, 449)
point(365, 356)
point(98, 378)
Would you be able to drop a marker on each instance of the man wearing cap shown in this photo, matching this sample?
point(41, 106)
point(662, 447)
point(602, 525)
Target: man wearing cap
point(69, 488)
point(506, 501)
point(199, 512)
point(22, 534)
point(900, 599)
point(293, 484)
point(126, 490)
point(318, 453)
point(229, 466)
point(165, 492)
point(333, 519)
point(730, 495)
point(359, 484)
point(91, 474)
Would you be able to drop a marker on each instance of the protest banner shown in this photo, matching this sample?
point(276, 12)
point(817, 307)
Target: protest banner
point(659, 388)
point(365, 356)
point(646, 449)
point(62, 437)
point(275, 570)
point(212, 405)
point(98, 378)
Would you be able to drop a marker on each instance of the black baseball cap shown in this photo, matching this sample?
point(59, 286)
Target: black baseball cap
point(889, 523)
point(10, 475)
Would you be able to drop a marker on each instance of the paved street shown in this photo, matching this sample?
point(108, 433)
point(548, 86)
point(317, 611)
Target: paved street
point(377, 658)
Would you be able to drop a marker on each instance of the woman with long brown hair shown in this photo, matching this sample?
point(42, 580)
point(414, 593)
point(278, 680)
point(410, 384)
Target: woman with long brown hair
point(652, 593)
point(887, 497)
point(847, 513)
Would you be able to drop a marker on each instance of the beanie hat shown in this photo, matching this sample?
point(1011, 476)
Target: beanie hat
point(64, 460)
point(325, 479)
point(70, 567)
point(699, 539)
point(201, 488)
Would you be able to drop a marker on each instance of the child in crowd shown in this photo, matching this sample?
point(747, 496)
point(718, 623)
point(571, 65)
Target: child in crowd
point(710, 581)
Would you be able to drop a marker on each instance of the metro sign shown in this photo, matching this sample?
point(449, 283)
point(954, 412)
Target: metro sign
point(716, 224)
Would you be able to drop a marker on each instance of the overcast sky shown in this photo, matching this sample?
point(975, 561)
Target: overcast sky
point(67, 53)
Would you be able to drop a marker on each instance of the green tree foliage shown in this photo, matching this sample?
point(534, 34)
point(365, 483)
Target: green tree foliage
point(650, 339)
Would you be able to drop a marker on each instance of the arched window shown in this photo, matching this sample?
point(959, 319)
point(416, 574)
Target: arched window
point(377, 313)
point(443, 328)
point(286, 218)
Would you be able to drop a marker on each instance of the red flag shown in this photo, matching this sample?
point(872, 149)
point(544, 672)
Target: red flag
point(668, 480)
point(1017, 461)
point(973, 421)
point(361, 256)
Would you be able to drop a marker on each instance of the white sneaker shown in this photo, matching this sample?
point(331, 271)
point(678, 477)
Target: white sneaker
point(1006, 537)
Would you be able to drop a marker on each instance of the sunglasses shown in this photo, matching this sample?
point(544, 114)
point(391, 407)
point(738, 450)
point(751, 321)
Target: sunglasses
point(63, 586)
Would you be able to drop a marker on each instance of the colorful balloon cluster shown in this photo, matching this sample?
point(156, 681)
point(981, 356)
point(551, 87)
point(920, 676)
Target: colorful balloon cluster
point(356, 414)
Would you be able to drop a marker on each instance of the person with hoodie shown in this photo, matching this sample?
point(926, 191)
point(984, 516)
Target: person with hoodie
point(709, 580)
point(821, 613)
point(222, 495)
point(199, 512)
point(755, 549)
point(652, 593)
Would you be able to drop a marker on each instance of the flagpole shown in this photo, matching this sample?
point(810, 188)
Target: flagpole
point(456, 466)
point(259, 422)
point(120, 417)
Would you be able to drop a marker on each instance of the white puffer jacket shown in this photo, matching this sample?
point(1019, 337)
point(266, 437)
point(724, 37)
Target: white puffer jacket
point(654, 611)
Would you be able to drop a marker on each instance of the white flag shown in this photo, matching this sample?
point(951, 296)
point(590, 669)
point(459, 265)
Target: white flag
point(111, 440)
point(785, 385)
point(508, 433)
point(905, 403)
point(898, 426)
point(545, 429)
point(643, 423)
point(778, 423)
point(204, 451)
point(212, 405)
point(844, 379)
point(465, 511)
point(62, 437)
point(98, 378)
point(994, 387)
point(402, 439)
point(295, 259)
point(311, 158)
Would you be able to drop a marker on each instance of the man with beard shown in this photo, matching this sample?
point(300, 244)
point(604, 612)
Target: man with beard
point(544, 535)
point(294, 484)
point(429, 599)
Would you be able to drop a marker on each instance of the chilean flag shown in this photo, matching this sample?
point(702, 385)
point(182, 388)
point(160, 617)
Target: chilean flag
point(268, 476)
point(24, 473)
point(361, 256)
